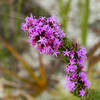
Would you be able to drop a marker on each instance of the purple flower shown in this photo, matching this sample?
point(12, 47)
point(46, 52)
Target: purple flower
point(73, 76)
point(47, 50)
point(70, 68)
point(81, 51)
point(56, 54)
point(62, 34)
point(82, 76)
point(86, 83)
point(70, 84)
point(45, 33)
point(57, 42)
point(80, 62)
point(72, 61)
point(51, 19)
point(24, 27)
point(42, 40)
point(66, 53)
point(32, 33)
point(81, 92)
point(71, 54)
point(81, 67)
point(29, 20)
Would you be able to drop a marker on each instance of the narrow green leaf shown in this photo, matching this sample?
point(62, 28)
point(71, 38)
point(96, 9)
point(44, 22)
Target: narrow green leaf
point(67, 7)
point(64, 12)
point(61, 7)
point(84, 24)
point(18, 15)
point(5, 22)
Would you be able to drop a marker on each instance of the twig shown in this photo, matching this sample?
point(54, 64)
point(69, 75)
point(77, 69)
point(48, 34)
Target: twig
point(93, 50)
point(26, 66)
point(42, 71)
point(93, 61)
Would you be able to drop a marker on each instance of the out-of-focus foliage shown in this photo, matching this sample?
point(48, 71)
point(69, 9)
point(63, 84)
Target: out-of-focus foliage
point(64, 10)
point(11, 17)
point(84, 20)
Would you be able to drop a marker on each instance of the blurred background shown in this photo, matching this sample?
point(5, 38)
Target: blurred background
point(27, 75)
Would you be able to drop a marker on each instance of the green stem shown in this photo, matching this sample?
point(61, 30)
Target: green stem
point(5, 22)
point(18, 15)
point(84, 25)
point(64, 12)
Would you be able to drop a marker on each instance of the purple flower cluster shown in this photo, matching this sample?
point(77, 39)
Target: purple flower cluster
point(45, 33)
point(76, 79)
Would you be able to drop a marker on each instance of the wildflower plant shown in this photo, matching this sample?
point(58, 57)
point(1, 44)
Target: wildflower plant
point(47, 36)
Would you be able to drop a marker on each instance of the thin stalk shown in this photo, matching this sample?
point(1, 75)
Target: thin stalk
point(80, 7)
point(42, 71)
point(5, 22)
point(61, 11)
point(67, 10)
point(84, 25)
point(61, 7)
point(18, 15)
point(64, 12)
